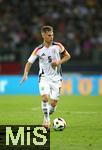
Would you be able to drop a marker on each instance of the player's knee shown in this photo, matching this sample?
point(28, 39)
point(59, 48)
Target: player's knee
point(53, 103)
point(45, 98)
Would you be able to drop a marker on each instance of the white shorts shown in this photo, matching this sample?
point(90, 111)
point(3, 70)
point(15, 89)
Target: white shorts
point(51, 88)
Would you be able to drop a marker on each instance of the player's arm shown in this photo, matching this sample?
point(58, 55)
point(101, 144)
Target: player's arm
point(65, 56)
point(26, 71)
point(28, 65)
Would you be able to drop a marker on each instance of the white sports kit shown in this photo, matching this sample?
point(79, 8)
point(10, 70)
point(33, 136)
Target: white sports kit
point(50, 79)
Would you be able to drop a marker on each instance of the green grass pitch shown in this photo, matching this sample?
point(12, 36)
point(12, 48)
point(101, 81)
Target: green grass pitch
point(82, 114)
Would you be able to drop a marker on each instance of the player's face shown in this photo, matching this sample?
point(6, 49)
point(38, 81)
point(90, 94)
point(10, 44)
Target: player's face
point(48, 36)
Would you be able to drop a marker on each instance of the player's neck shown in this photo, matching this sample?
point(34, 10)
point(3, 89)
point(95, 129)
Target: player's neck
point(47, 44)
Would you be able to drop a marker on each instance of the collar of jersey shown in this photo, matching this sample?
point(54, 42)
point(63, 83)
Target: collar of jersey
point(46, 46)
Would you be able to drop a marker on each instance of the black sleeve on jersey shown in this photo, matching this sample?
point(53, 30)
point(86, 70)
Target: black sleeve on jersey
point(62, 54)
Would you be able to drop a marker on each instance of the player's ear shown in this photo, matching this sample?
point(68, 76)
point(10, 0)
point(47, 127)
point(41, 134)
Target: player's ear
point(42, 34)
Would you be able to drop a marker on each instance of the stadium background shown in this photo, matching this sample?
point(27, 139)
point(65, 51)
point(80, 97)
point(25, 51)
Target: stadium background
point(78, 26)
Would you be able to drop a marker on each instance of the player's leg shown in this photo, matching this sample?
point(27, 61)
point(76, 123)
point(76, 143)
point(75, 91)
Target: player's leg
point(45, 109)
point(44, 91)
point(52, 106)
point(54, 95)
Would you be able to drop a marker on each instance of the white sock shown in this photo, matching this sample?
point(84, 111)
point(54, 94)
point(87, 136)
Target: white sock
point(51, 109)
point(45, 109)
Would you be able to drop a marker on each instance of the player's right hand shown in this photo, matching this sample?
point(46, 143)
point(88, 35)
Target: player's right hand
point(23, 79)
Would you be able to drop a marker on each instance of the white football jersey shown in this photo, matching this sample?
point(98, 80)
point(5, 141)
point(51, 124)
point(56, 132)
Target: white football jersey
point(46, 55)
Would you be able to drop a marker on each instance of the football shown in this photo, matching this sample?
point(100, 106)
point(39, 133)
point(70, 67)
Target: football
point(59, 124)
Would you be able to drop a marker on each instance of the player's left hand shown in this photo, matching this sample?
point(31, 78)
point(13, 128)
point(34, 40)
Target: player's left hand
point(55, 64)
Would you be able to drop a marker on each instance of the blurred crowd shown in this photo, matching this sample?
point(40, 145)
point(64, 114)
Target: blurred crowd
point(77, 24)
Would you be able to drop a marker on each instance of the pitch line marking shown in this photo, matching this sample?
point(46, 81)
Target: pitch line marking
point(80, 112)
point(35, 108)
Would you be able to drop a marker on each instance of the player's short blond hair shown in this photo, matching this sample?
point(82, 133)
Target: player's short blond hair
point(44, 29)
